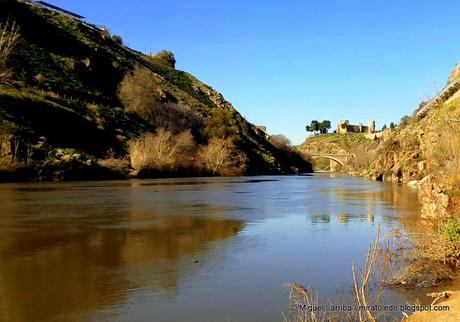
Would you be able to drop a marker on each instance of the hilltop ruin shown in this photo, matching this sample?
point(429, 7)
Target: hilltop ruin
point(344, 127)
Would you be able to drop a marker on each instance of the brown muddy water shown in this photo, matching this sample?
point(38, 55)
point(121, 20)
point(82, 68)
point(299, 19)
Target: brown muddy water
point(200, 249)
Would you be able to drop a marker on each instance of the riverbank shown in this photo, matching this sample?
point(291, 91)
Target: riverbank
point(451, 315)
point(76, 170)
point(440, 260)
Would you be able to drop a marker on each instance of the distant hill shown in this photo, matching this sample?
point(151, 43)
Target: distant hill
point(332, 143)
point(69, 110)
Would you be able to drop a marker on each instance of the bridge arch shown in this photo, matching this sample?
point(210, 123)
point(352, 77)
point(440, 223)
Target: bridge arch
point(328, 157)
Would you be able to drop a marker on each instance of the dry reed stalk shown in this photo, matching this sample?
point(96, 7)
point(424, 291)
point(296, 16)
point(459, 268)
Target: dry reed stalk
point(304, 306)
point(361, 287)
point(300, 298)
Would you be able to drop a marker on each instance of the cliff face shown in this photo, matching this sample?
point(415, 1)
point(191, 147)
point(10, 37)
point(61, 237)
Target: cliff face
point(62, 95)
point(422, 145)
point(425, 150)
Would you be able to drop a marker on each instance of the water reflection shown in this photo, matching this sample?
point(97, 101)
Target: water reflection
point(135, 250)
point(341, 218)
point(63, 259)
point(320, 219)
point(52, 272)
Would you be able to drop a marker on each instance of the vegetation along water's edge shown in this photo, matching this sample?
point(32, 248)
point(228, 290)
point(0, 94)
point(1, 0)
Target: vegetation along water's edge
point(77, 104)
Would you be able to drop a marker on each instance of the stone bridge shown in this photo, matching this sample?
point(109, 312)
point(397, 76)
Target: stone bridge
point(342, 159)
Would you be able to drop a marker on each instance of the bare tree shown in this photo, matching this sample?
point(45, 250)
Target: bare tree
point(215, 154)
point(162, 150)
point(281, 142)
point(222, 157)
point(9, 35)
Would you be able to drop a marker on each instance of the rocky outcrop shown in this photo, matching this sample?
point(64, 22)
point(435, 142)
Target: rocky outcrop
point(407, 156)
point(427, 148)
point(433, 200)
point(398, 157)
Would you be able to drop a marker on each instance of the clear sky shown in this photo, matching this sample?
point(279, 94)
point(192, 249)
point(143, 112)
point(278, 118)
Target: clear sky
point(284, 63)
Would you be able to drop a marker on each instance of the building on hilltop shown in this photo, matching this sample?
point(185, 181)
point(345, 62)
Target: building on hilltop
point(261, 128)
point(262, 131)
point(61, 10)
point(344, 127)
point(48, 6)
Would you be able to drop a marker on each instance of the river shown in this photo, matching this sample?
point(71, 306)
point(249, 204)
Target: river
point(195, 249)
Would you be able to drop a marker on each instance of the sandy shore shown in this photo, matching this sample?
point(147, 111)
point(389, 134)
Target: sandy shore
point(452, 315)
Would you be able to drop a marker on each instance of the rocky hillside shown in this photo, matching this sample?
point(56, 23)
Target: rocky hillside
point(427, 144)
point(62, 115)
point(424, 150)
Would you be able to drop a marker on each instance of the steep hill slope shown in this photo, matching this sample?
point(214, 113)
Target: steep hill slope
point(422, 145)
point(61, 115)
point(425, 149)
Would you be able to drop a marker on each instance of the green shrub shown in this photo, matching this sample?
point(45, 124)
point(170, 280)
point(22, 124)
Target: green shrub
point(164, 57)
point(452, 229)
point(117, 39)
point(70, 151)
point(221, 123)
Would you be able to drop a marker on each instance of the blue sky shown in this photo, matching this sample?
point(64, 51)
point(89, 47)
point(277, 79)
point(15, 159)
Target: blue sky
point(284, 63)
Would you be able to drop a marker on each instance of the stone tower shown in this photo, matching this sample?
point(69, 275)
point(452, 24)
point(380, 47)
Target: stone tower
point(371, 126)
point(342, 127)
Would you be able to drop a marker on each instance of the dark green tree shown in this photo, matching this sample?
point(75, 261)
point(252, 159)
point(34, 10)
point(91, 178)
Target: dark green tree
point(164, 57)
point(324, 126)
point(314, 126)
point(117, 39)
point(392, 125)
point(384, 127)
